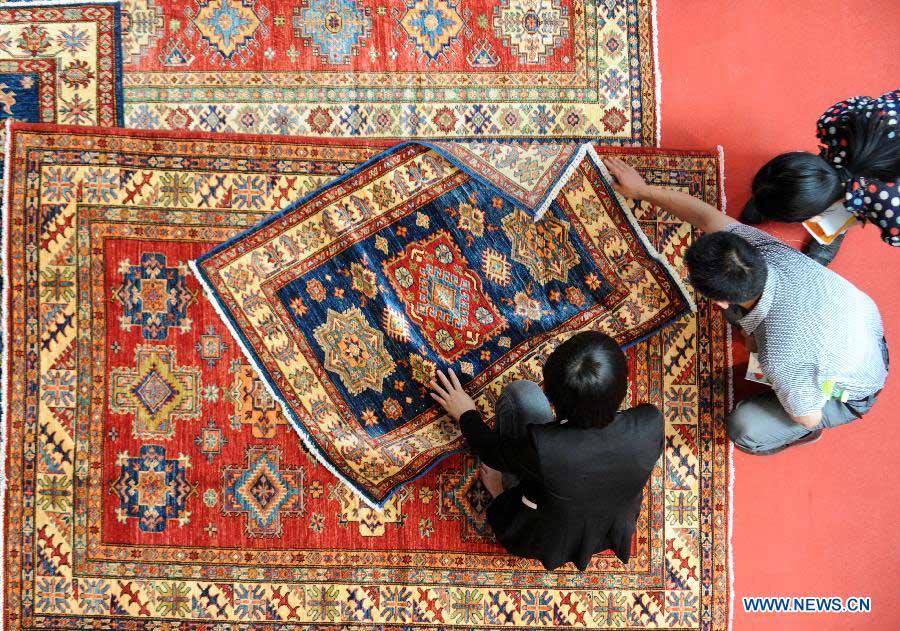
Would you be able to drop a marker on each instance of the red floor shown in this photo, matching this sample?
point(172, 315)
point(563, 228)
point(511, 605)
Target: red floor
point(753, 77)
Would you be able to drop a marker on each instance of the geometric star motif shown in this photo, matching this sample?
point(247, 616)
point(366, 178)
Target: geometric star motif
point(154, 297)
point(337, 29)
point(470, 217)
point(211, 347)
point(211, 440)
point(531, 29)
point(543, 247)
point(152, 489)
point(263, 491)
point(354, 350)
point(433, 26)
point(496, 267)
point(228, 28)
point(156, 391)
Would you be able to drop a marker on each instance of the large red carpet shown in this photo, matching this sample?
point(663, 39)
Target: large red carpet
point(198, 503)
point(753, 77)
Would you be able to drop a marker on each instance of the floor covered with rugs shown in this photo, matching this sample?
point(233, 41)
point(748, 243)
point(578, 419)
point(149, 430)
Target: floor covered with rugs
point(228, 286)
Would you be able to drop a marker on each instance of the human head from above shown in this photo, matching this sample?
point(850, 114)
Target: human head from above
point(586, 379)
point(793, 187)
point(798, 185)
point(726, 269)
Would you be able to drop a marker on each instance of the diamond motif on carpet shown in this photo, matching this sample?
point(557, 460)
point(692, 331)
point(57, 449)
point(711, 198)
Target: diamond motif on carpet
point(443, 297)
point(263, 491)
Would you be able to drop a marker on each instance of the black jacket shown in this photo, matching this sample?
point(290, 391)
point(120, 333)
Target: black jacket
point(586, 484)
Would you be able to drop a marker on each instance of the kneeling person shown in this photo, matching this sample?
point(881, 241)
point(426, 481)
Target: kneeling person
point(571, 484)
point(820, 339)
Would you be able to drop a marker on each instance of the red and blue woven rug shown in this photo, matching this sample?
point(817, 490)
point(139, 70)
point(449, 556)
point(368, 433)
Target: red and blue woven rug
point(60, 63)
point(404, 68)
point(152, 480)
point(348, 301)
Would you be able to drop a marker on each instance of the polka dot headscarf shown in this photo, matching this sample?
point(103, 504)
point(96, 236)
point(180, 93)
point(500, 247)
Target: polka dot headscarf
point(870, 199)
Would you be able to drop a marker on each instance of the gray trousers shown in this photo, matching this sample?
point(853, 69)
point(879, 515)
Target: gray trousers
point(521, 403)
point(760, 423)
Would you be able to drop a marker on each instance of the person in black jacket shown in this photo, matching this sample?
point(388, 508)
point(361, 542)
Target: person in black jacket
point(569, 486)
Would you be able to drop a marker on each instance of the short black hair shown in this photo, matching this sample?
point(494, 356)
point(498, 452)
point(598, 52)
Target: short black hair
point(586, 379)
point(724, 266)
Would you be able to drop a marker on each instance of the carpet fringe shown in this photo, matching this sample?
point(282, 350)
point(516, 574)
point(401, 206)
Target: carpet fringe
point(561, 180)
point(4, 360)
point(729, 376)
point(285, 408)
point(654, 253)
point(657, 74)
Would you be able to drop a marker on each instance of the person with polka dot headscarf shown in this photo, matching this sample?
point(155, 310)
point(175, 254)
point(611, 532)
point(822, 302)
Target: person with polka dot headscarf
point(857, 167)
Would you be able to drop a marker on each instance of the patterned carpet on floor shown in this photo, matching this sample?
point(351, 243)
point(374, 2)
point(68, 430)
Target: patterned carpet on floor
point(423, 68)
point(152, 480)
point(152, 477)
point(349, 301)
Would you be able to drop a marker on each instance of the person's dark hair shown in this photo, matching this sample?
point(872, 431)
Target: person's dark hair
point(724, 266)
point(586, 378)
point(798, 185)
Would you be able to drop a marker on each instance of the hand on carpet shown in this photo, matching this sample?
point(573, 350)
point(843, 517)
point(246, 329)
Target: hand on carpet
point(450, 394)
point(491, 479)
point(628, 182)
